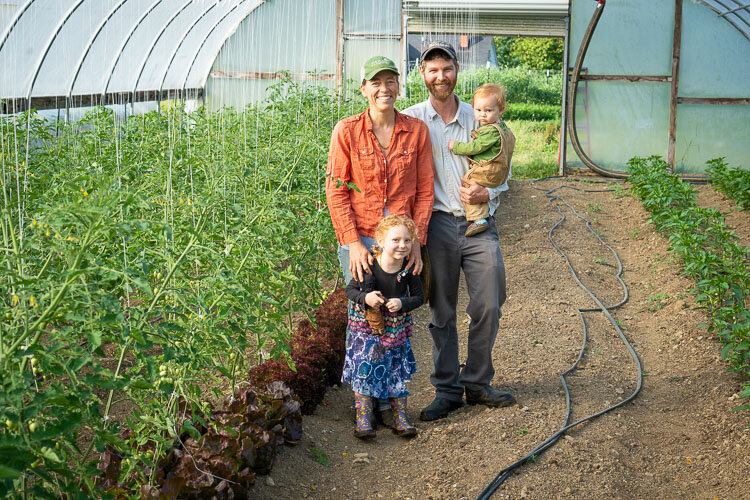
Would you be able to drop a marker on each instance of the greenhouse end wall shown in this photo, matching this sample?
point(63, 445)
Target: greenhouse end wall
point(299, 38)
point(617, 120)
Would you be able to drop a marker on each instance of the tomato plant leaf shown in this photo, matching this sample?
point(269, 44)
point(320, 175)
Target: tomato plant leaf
point(7, 472)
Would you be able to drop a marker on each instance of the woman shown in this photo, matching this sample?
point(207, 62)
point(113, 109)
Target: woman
point(388, 156)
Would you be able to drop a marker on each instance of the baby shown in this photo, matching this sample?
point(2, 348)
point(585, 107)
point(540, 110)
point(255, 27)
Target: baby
point(489, 153)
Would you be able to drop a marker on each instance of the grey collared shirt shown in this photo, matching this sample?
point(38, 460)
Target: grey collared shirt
point(449, 168)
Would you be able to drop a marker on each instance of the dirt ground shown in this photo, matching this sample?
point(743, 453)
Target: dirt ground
point(677, 439)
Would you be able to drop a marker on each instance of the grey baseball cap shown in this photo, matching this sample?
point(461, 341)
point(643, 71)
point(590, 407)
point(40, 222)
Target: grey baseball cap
point(441, 46)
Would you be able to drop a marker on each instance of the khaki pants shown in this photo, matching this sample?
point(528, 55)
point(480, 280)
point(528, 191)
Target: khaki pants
point(491, 174)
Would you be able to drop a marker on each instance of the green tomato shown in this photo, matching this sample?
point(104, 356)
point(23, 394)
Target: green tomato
point(34, 361)
point(8, 423)
point(32, 426)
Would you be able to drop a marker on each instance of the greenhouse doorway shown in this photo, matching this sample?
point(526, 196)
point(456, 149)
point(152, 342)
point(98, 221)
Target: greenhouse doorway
point(469, 26)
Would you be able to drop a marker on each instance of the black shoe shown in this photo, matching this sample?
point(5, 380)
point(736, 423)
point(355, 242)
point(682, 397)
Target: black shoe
point(439, 408)
point(489, 396)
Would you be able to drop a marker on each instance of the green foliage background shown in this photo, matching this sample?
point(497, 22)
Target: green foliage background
point(522, 85)
point(535, 53)
point(142, 262)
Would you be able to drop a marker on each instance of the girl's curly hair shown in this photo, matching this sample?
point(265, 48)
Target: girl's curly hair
point(390, 221)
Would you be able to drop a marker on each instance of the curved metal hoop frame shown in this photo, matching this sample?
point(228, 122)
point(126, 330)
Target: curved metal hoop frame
point(229, 30)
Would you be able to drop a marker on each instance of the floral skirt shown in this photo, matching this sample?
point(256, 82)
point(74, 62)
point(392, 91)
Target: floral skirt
point(372, 369)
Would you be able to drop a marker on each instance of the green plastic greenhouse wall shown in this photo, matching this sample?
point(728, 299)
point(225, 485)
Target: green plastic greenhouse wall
point(617, 120)
point(715, 62)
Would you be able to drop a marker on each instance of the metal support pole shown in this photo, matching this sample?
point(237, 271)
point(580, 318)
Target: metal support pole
point(339, 45)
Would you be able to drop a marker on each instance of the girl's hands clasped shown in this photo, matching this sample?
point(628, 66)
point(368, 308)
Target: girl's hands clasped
point(375, 299)
point(393, 305)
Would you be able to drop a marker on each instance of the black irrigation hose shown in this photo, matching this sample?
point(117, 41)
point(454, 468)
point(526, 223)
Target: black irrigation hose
point(505, 473)
point(570, 112)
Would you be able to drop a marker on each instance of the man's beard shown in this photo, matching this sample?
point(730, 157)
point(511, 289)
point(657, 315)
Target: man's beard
point(441, 93)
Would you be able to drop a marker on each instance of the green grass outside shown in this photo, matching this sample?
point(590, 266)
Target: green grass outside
point(535, 154)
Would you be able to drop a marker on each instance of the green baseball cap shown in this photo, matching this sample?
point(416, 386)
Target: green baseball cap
point(375, 65)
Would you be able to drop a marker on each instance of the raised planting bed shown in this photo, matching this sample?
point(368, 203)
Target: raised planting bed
point(710, 253)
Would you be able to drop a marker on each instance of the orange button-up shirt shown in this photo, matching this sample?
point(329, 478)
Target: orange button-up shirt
point(402, 181)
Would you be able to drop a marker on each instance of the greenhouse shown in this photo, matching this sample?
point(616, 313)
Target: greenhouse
point(190, 188)
point(131, 55)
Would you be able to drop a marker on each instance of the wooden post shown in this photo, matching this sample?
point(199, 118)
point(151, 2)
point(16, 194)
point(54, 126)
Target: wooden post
point(339, 45)
point(563, 123)
point(677, 36)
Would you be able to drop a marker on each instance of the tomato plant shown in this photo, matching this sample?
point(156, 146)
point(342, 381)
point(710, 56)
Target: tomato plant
point(147, 264)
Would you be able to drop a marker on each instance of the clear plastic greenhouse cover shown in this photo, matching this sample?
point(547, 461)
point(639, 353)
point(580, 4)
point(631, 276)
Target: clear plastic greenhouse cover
point(618, 120)
point(62, 49)
point(92, 47)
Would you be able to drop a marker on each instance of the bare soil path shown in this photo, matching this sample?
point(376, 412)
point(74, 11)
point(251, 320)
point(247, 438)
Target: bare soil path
point(676, 439)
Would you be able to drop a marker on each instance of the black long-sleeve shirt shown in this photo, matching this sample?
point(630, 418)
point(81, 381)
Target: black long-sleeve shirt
point(408, 288)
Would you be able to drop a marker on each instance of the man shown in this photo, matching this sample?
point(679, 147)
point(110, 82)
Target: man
point(449, 119)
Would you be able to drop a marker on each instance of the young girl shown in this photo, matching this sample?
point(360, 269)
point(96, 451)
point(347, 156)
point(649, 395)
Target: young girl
point(379, 361)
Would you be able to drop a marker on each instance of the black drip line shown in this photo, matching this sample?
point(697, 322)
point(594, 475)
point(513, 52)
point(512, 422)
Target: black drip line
point(550, 441)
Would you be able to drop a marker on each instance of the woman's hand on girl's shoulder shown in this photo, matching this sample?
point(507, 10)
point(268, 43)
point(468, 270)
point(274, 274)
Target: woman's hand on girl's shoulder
point(360, 260)
point(414, 261)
